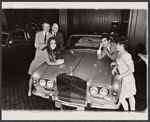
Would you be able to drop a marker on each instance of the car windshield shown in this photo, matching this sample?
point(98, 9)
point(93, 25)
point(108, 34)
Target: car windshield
point(4, 39)
point(83, 42)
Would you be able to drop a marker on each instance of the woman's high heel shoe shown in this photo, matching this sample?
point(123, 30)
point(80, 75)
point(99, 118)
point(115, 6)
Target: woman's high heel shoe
point(29, 95)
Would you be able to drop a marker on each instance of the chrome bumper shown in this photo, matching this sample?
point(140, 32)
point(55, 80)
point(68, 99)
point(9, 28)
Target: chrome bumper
point(59, 104)
point(93, 103)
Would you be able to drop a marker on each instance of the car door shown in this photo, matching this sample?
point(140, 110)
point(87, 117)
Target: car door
point(30, 37)
point(5, 49)
point(16, 49)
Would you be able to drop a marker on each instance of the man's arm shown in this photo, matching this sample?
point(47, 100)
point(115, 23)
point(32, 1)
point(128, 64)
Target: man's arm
point(37, 43)
point(100, 54)
point(113, 55)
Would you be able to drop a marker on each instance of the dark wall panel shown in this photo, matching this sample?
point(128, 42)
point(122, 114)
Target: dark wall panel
point(23, 16)
point(77, 20)
point(90, 20)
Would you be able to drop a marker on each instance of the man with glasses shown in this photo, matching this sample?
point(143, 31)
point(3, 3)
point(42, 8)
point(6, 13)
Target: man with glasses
point(40, 43)
point(58, 36)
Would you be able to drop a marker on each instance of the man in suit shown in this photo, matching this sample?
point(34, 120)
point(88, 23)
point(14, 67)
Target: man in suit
point(107, 47)
point(42, 36)
point(58, 36)
point(40, 43)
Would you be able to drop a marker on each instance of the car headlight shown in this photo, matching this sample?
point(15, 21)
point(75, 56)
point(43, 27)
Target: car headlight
point(42, 82)
point(50, 83)
point(93, 90)
point(103, 92)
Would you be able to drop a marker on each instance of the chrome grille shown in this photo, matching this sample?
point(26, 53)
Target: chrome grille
point(71, 89)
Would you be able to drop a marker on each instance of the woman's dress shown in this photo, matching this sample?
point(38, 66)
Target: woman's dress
point(128, 82)
point(38, 60)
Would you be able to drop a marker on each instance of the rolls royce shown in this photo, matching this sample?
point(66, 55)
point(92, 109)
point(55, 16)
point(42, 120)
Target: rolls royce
point(83, 81)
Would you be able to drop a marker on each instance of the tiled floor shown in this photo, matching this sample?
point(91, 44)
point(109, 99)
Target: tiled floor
point(15, 86)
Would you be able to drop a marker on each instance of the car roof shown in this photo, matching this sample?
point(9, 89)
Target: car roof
point(12, 31)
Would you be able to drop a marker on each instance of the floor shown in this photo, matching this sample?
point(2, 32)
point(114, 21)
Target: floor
point(15, 86)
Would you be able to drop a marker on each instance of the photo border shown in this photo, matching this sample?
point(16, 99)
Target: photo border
point(136, 114)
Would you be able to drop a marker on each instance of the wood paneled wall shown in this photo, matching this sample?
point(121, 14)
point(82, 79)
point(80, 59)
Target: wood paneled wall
point(132, 23)
point(4, 21)
point(24, 16)
point(90, 20)
point(63, 23)
point(137, 28)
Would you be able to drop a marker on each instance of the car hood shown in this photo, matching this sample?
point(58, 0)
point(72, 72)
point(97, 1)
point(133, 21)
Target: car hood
point(82, 63)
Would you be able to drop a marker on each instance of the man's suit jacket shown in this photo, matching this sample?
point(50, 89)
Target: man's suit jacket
point(39, 39)
point(113, 52)
point(59, 40)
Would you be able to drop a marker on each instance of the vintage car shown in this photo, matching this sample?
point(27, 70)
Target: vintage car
point(17, 45)
point(83, 81)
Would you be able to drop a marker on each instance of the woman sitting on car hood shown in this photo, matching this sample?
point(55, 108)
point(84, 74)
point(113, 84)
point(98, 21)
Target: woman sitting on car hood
point(49, 56)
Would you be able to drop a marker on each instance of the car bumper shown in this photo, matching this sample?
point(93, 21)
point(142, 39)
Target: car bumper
point(103, 104)
point(92, 103)
point(44, 93)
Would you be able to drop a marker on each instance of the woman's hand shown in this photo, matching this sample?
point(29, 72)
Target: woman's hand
point(113, 71)
point(60, 61)
point(118, 77)
point(113, 64)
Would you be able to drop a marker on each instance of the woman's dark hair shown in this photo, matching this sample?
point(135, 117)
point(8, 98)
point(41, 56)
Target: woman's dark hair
point(107, 37)
point(49, 50)
point(123, 40)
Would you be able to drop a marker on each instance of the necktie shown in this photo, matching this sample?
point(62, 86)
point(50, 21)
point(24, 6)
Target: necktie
point(45, 38)
point(54, 34)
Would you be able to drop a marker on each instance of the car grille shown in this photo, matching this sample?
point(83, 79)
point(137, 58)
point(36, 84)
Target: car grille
point(71, 89)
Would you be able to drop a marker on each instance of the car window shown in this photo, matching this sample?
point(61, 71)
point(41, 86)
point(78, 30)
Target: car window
point(18, 37)
point(4, 39)
point(79, 42)
point(30, 35)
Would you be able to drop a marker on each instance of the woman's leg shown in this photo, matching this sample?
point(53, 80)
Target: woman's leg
point(124, 103)
point(132, 103)
point(30, 87)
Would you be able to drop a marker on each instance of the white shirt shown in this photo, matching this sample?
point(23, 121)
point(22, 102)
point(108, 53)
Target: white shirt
point(53, 33)
point(108, 47)
point(45, 33)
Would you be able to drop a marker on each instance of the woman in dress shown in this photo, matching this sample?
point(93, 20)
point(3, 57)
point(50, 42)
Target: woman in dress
point(125, 66)
point(48, 56)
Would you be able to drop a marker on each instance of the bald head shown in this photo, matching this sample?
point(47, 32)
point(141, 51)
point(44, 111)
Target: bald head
point(55, 27)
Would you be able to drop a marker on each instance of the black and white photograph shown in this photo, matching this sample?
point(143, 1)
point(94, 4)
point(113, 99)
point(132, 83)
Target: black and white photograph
point(74, 61)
